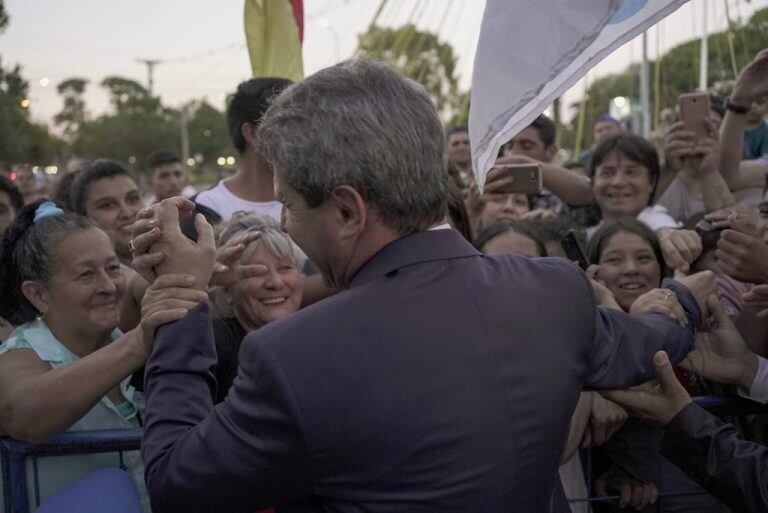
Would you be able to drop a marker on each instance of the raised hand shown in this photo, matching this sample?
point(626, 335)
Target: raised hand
point(742, 256)
point(181, 255)
point(680, 248)
point(679, 143)
point(702, 285)
point(147, 230)
point(603, 295)
point(228, 269)
point(752, 84)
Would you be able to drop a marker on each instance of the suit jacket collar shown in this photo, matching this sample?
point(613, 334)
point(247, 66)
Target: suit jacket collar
point(420, 247)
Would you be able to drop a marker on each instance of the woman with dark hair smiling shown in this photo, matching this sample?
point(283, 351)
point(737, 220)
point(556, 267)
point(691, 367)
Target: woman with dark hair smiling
point(627, 259)
point(625, 173)
point(105, 192)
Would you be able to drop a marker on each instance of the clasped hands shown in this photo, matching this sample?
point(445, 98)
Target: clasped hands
point(178, 269)
point(720, 355)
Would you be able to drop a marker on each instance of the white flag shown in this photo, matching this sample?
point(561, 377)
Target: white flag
point(529, 53)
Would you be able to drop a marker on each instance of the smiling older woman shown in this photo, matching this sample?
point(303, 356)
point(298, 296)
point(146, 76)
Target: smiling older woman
point(270, 288)
point(66, 367)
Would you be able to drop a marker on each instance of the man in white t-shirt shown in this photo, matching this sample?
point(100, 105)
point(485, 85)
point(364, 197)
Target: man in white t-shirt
point(251, 188)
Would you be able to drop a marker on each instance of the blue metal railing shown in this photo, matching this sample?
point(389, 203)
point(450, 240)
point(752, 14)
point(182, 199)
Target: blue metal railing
point(15, 453)
point(721, 404)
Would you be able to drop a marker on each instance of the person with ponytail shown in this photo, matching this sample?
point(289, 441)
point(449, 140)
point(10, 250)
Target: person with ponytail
point(66, 366)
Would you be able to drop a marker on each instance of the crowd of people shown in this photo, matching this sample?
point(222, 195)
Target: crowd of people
point(350, 323)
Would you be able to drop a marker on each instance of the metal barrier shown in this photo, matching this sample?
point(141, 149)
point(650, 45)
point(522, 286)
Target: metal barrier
point(14, 455)
point(720, 404)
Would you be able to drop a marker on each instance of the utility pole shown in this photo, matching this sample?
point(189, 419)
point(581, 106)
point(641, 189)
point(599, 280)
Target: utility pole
point(150, 64)
point(704, 50)
point(645, 103)
point(185, 112)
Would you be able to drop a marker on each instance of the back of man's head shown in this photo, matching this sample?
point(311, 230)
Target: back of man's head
point(361, 124)
point(159, 158)
point(546, 129)
point(248, 105)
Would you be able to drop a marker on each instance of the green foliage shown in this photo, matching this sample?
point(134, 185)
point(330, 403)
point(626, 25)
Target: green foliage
point(137, 124)
point(21, 140)
point(420, 56)
point(4, 19)
point(208, 132)
point(679, 73)
point(73, 114)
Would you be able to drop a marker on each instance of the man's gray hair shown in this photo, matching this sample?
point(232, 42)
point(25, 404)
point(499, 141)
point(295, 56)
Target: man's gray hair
point(361, 124)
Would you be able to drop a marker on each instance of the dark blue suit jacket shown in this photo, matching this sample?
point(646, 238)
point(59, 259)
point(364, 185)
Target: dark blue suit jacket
point(442, 380)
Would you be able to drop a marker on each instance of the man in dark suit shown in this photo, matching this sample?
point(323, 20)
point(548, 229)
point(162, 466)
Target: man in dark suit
point(438, 380)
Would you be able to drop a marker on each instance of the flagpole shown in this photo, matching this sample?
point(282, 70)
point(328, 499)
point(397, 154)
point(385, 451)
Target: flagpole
point(704, 55)
point(645, 90)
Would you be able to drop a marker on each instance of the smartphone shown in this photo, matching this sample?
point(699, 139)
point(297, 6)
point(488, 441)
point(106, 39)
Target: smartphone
point(527, 178)
point(694, 112)
point(573, 250)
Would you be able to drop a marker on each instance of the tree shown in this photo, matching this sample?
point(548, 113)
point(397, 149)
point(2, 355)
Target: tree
point(679, 73)
point(208, 132)
point(129, 97)
point(137, 125)
point(3, 17)
point(73, 114)
point(420, 56)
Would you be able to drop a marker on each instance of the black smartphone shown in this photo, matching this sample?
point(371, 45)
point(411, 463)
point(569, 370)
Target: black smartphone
point(573, 250)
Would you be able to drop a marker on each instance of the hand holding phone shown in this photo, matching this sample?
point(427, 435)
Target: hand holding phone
point(694, 112)
point(515, 178)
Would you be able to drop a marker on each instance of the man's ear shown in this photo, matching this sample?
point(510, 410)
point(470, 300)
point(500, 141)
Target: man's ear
point(37, 295)
point(350, 211)
point(248, 130)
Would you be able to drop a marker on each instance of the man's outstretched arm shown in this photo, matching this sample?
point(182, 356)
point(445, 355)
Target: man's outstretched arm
point(624, 345)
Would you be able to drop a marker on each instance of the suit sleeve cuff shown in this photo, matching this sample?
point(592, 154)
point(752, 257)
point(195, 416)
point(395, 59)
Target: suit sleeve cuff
point(758, 391)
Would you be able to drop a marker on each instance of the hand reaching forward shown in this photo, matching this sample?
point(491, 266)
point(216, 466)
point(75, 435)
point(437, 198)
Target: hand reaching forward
point(742, 256)
point(722, 355)
point(605, 418)
point(228, 269)
point(661, 404)
point(702, 285)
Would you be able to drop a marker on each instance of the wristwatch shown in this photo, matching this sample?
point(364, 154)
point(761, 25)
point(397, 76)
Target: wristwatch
point(738, 109)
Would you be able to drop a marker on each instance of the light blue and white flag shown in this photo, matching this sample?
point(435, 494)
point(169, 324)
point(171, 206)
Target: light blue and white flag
point(529, 53)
